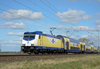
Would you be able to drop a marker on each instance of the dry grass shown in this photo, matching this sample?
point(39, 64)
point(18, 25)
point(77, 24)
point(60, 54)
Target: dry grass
point(17, 53)
point(88, 62)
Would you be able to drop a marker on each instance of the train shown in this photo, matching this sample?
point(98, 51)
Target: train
point(38, 42)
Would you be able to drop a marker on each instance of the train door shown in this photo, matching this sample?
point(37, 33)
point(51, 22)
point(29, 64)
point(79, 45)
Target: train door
point(41, 40)
point(67, 45)
point(81, 47)
point(84, 47)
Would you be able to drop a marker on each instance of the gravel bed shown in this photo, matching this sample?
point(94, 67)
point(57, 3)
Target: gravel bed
point(20, 58)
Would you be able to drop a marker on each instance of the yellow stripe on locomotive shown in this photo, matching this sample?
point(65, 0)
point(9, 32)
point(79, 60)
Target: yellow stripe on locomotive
point(47, 41)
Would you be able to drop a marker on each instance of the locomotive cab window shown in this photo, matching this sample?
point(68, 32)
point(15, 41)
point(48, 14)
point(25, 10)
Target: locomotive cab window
point(29, 36)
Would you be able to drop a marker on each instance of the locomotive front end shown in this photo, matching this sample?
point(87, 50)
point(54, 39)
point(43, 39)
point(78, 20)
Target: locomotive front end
point(29, 42)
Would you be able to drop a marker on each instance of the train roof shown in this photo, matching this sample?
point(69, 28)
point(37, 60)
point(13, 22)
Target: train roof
point(40, 33)
point(77, 41)
point(72, 40)
point(87, 44)
point(36, 32)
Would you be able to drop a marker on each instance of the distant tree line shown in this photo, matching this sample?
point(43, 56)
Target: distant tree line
point(86, 40)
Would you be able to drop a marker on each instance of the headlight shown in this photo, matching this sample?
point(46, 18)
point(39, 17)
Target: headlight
point(32, 48)
point(23, 44)
point(32, 44)
point(22, 47)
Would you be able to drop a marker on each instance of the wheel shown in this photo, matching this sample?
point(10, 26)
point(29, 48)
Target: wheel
point(66, 52)
point(48, 53)
point(36, 52)
point(75, 53)
point(42, 53)
point(29, 53)
point(79, 53)
point(82, 52)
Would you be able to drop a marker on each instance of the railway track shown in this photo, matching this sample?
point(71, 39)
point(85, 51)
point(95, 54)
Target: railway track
point(47, 55)
point(13, 55)
point(20, 58)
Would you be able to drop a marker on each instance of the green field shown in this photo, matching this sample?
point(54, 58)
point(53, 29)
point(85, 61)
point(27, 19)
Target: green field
point(87, 62)
point(17, 53)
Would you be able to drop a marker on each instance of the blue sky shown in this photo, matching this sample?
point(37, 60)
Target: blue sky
point(19, 16)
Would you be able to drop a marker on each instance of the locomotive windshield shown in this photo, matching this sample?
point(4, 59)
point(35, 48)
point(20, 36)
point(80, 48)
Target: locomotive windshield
point(28, 35)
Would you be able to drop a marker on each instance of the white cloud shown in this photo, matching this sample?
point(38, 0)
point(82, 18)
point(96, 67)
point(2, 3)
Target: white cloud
point(0, 39)
point(15, 34)
point(11, 42)
point(84, 28)
point(98, 0)
point(98, 15)
point(11, 25)
point(78, 28)
point(97, 23)
point(72, 36)
point(9, 45)
point(84, 36)
point(20, 14)
point(62, 27)
point(15, 42)
point(92, 38)
point(18, 39)
point(73, 16)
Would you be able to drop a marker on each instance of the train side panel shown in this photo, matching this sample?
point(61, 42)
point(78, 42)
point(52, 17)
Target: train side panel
point(72, 46)
point(49, 41)
point(83, 47)
point(92, 48)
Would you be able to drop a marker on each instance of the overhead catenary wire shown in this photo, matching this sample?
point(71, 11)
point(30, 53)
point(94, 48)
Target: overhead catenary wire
point(72, 33)
point(45, 10)
point(18, 15)
point(48, 6)
point(40, 6)
point(51, 8)
point(21, 4)
point(23, 16)
point(51, 5)
point(56, 9)
point(6, 5)
point(31, 8)
point(36, 11)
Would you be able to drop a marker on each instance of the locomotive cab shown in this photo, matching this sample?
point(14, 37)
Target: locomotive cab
point(29, 41)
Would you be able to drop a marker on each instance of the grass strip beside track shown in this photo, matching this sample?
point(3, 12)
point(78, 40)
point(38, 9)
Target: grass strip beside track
point(87, 62)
